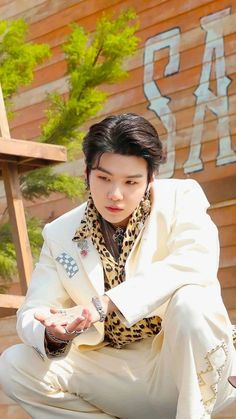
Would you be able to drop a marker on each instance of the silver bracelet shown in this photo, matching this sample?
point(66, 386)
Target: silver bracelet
point(98, 305)
point(55, 339)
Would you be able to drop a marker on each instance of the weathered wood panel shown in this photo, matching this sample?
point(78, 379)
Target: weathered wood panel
point(227, 277)
point(182, 79)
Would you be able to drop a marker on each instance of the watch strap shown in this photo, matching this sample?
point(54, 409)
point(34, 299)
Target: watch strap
point(98, 305)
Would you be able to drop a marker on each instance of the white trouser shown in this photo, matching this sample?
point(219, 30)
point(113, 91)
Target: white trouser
point(186, 379)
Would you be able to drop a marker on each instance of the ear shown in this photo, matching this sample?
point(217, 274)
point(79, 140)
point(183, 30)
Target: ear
point(150, 182)
point(86, 178)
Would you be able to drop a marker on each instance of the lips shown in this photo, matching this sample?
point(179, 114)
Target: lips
point(114, 209)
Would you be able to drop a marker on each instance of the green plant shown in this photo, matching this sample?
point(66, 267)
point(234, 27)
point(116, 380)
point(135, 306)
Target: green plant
point(8, 268)
point(18, 58)
point(93, 60)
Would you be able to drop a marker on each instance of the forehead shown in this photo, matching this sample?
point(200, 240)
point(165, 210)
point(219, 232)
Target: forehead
point(118, 164)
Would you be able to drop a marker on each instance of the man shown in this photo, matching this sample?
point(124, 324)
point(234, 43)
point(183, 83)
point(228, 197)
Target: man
point(124, 316)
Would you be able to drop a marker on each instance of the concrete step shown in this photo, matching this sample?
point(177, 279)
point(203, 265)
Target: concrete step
point(4, 399)
point(8, 335)
point(12, 412)
point(9, 409)
point(228, 413)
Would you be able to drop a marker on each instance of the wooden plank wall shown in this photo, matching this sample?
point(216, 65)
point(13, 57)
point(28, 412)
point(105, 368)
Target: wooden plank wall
point(183, 79)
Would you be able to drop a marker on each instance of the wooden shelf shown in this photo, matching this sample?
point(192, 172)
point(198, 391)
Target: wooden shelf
point(11, 301)
point(29, 155)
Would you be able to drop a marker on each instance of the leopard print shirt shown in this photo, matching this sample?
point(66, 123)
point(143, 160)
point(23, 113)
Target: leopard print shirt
point(116, 333)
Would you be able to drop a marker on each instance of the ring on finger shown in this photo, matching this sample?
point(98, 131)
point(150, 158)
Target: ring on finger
point(62, 312)
point(74, 332)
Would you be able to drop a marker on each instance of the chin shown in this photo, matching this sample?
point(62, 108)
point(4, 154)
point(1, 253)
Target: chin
point(113, 219)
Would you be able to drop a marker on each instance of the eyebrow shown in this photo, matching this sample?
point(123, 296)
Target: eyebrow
point(138, 175)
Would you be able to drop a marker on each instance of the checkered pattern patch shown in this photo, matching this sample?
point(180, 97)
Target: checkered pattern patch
point(68, 264)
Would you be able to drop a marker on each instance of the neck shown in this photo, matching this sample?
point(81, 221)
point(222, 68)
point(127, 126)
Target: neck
point(121, 224)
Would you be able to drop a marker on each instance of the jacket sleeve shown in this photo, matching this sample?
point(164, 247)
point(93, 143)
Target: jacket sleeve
point(45, 291)
point(193, 258)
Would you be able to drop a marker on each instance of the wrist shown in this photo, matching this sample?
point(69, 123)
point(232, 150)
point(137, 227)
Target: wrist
point(108, 305)
point(54, 340)
point(99, 307)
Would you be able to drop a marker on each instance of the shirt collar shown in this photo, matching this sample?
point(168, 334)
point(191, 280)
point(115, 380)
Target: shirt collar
point(86, 224)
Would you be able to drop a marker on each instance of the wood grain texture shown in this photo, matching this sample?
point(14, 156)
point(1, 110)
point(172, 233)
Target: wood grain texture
point(49, 23)
point(11, 301)
point(31, 150)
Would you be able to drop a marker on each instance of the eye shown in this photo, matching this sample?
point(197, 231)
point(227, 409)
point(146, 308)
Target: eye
point(104, 178)
point(131, 182)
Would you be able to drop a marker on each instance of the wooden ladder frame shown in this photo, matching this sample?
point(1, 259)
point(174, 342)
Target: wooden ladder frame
point(18, 156)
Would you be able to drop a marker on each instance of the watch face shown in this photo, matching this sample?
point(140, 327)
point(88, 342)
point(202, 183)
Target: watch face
point(232, 381)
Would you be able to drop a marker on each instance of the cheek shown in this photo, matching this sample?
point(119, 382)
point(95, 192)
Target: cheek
point(94, 184)
point(98, 190)
point(136, 197)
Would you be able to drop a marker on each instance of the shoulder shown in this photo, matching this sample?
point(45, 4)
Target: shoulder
point(174, 185)
point(66, 224)
point(174, 192)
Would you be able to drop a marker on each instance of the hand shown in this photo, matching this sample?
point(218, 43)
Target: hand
point(77, 318)
point(74, 319)
point(66, 316)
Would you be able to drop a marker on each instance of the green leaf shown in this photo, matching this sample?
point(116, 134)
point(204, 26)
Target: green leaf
point(43, 182)
point(93, 60)
point(18, 59)
point(8, 266)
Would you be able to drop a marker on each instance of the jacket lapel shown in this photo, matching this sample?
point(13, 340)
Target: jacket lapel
point(142, 251)
point(93, 283)
point(92, 265)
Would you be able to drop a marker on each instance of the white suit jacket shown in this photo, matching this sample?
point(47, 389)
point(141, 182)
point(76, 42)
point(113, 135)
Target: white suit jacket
point(178, 246)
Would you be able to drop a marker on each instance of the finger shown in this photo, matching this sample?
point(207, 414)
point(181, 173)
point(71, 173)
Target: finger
point(88, 317)
point(88, 322)
point(40, 316)
point(57, 321)
point(61, 319)
point(59, 332)
point(77, 324)
point(87, 325)
point(55, 310)
point(48, 322)
point(85, 312)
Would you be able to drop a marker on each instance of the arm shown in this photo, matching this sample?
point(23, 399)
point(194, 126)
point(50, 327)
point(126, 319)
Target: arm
point(45, 291)
point(192, 259)
point(45, 295)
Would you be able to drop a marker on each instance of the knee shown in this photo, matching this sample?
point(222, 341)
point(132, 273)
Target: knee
point(186, 310)
point(6, 360)
point(8, 368)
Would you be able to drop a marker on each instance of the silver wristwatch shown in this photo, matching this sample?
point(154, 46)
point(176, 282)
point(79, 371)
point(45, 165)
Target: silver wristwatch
point(98, 305)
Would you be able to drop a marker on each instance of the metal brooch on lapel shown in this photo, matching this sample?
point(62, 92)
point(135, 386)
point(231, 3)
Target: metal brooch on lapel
point(84, 247)
point(68, 263)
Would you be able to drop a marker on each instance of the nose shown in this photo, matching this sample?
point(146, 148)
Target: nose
point(115, 193)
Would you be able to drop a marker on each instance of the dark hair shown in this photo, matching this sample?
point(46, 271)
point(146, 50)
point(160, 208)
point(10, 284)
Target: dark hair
point(127, 134)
